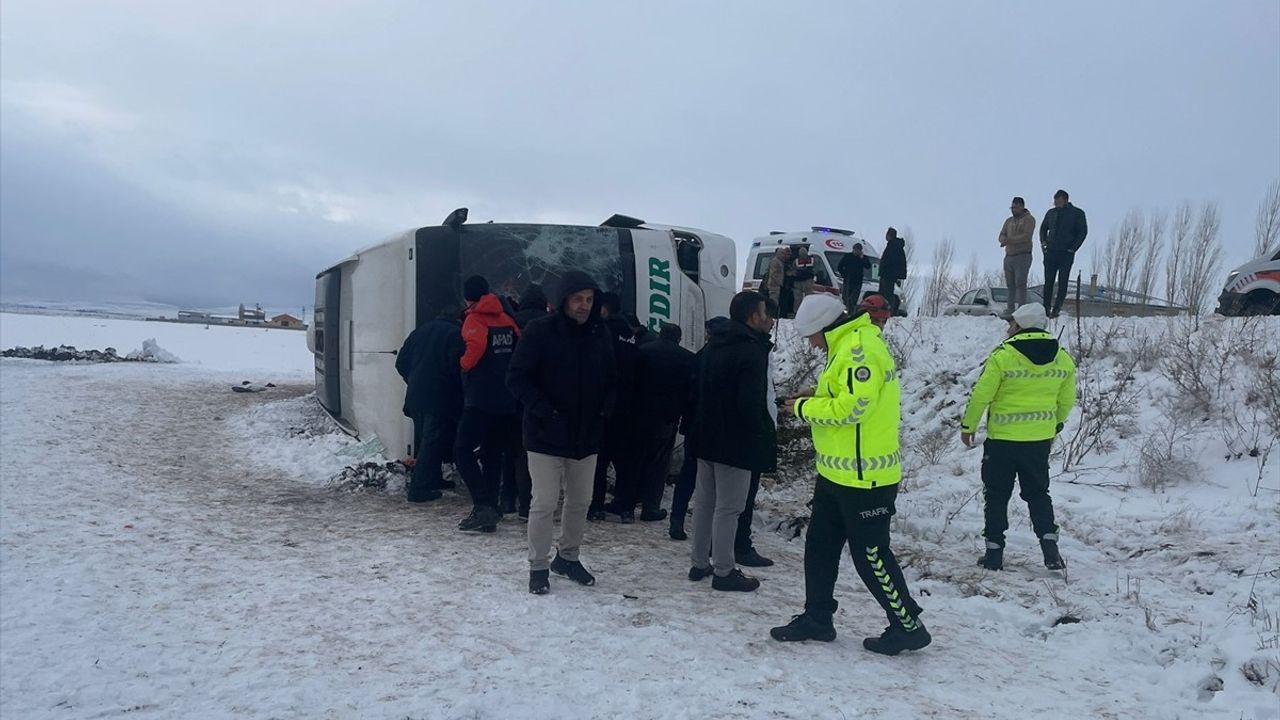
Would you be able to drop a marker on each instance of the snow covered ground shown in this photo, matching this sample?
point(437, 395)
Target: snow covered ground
point(170, 549)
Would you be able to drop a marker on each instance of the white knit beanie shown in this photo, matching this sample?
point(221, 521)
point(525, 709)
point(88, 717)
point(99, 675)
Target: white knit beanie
point(816, 312)
point(1031, 317)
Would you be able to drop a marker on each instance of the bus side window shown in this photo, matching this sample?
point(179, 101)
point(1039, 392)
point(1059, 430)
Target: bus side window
point(688, 252)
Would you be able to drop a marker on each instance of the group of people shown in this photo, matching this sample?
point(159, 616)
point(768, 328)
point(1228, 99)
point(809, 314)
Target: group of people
point(1061, 235)
point(556, 391)
point(792, 273)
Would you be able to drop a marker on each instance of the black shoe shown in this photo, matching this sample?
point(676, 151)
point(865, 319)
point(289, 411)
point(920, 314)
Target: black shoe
point(445, 485)
point(805, 627)
point(751, 558)
point(993, 559)
point(481, 519)
point(894, 640)
point(573, 570)
point(523, 514)
point(595, 514)
point(426, 497)
point(539, 582)
point(627, 517)
point(508, 507)
point(1052, 558)
point(676, 532)
point(697, 573)
point(735, 581)
point(653, 515)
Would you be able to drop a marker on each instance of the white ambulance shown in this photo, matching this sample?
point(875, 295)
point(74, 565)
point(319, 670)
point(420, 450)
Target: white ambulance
point(368, 303)
point(827, 245)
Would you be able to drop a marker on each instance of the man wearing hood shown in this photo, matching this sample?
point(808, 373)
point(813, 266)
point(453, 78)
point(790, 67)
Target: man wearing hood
point(564, 375)
point(855, 412)
point(736, 437)
point(1027, 389)
point(893, 267)
point(489, 423)
point(618, 447)
point(428, 362)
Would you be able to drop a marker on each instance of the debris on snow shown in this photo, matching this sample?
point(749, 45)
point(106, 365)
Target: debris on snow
point(371, 476)
point(152, 352)
point(64, 353)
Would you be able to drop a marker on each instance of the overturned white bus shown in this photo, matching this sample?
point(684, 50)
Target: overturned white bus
point(368, 303)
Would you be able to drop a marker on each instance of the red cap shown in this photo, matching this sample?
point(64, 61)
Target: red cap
point(877, 307)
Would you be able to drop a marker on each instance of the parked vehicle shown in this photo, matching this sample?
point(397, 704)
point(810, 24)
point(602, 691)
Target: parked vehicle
point(1253, 288)
point(368, 303)
point(987, 301)
point(827, 245)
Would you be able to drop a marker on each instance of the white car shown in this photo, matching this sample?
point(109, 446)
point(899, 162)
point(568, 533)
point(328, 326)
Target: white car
point(1253, 288)
point(986, 301)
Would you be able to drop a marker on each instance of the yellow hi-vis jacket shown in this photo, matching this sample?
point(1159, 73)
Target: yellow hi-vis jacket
point(1029, 383)
point(856, 409)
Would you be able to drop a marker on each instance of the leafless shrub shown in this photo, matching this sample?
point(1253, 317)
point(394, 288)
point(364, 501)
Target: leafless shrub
point(942, 282)
point(1152, 249)
point(1179, 247)
point(1107, 402)
point(1205, 257)
point(1163, 458)
point(1266, 227)
point(1124, 250)
point(932, 444)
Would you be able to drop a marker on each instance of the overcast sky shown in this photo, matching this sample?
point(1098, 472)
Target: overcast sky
point(212, 153)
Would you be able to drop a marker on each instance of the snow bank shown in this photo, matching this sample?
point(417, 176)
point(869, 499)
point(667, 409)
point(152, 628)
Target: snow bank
point(277, 355)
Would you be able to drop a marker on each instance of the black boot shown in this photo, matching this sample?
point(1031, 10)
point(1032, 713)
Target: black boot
point(573, 570)
point(627, 517)
point(751, 558)
point(1052, 558)
point(676, 532)
point(894, 640)
point(735, 581)
point(595, 514)
point(805, 627)
point(994, 559)
point(508, 506)
point(697, 573)
point(539, 582)
point(653, 515)
point(481, 519)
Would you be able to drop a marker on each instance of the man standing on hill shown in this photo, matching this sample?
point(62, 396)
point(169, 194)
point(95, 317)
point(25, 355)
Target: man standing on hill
point(489, 425)
point(893, 267)
point(1061, 235)
point(853, 269)
point(855, 411)
point(564, 375)
point(1015, 238)
point(1029, 385)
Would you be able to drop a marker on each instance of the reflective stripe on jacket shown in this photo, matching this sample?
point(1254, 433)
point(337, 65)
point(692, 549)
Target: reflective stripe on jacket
point(856, 409)
point(1029, 385)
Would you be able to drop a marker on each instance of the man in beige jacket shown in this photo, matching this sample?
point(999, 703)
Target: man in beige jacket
point(1015, 238)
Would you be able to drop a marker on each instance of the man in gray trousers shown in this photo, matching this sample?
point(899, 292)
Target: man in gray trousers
point(563, 373)
point(1015, 238)
point(736, 437)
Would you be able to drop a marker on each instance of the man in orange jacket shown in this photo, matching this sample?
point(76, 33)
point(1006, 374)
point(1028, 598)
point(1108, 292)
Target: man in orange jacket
point(490, 426)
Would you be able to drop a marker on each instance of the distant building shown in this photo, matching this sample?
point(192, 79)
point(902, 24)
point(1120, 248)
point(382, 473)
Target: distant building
point(256, 315)
point(287, 321)
point(193, 316)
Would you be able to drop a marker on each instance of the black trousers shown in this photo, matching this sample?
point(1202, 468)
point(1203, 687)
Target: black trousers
point(433, 445)
point(859, 519)
point(646, 484)
point(887, 288)
point(523, 482)
point(485, 441)
point(742, 540)
point(1028, 462)
point(1056, 269)
point(685, 484)
point(616, 450)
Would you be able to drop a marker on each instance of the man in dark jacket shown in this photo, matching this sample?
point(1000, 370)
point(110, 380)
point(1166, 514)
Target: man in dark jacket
point(663, 373)
point(688, 477)
point(428, 362)
point(533, 305)
point(1061, 235)
point(564, 374)
point(853, 269)
point(736, 437)
point(893, 267)
point(489, 423)
point(618, 448)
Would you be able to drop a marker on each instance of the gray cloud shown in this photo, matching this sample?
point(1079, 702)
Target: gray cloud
point(223, 153)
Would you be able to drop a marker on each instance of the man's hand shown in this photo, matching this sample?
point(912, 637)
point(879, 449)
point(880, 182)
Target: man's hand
point(789, 406)
point(807, 392)
point(966, 438)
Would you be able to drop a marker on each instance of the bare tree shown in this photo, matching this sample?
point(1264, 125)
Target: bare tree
point(972, 277)
point(910, 285)
point(1124, 248)
point(941, 281)
point(1267, 225)
point(1180, 241)
point(1205, 257)
point(1152, 249)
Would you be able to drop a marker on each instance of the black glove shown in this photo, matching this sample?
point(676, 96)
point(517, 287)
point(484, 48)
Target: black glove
point(1057, 429)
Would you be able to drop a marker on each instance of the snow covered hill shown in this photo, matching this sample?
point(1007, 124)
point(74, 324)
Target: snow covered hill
point(169, 548)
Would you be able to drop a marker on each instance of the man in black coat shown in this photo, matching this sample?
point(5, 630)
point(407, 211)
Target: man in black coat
point(564, 375)
point(853, 269)
point(687, 480)
point(893, 267)
point(736, 437)
point(663, 374)
point(617, 448)
point(428, 362)
point(1061, 234)
point(533, 305)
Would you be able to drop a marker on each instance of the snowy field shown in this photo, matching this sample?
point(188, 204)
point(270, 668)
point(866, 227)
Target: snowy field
point(170, 549)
